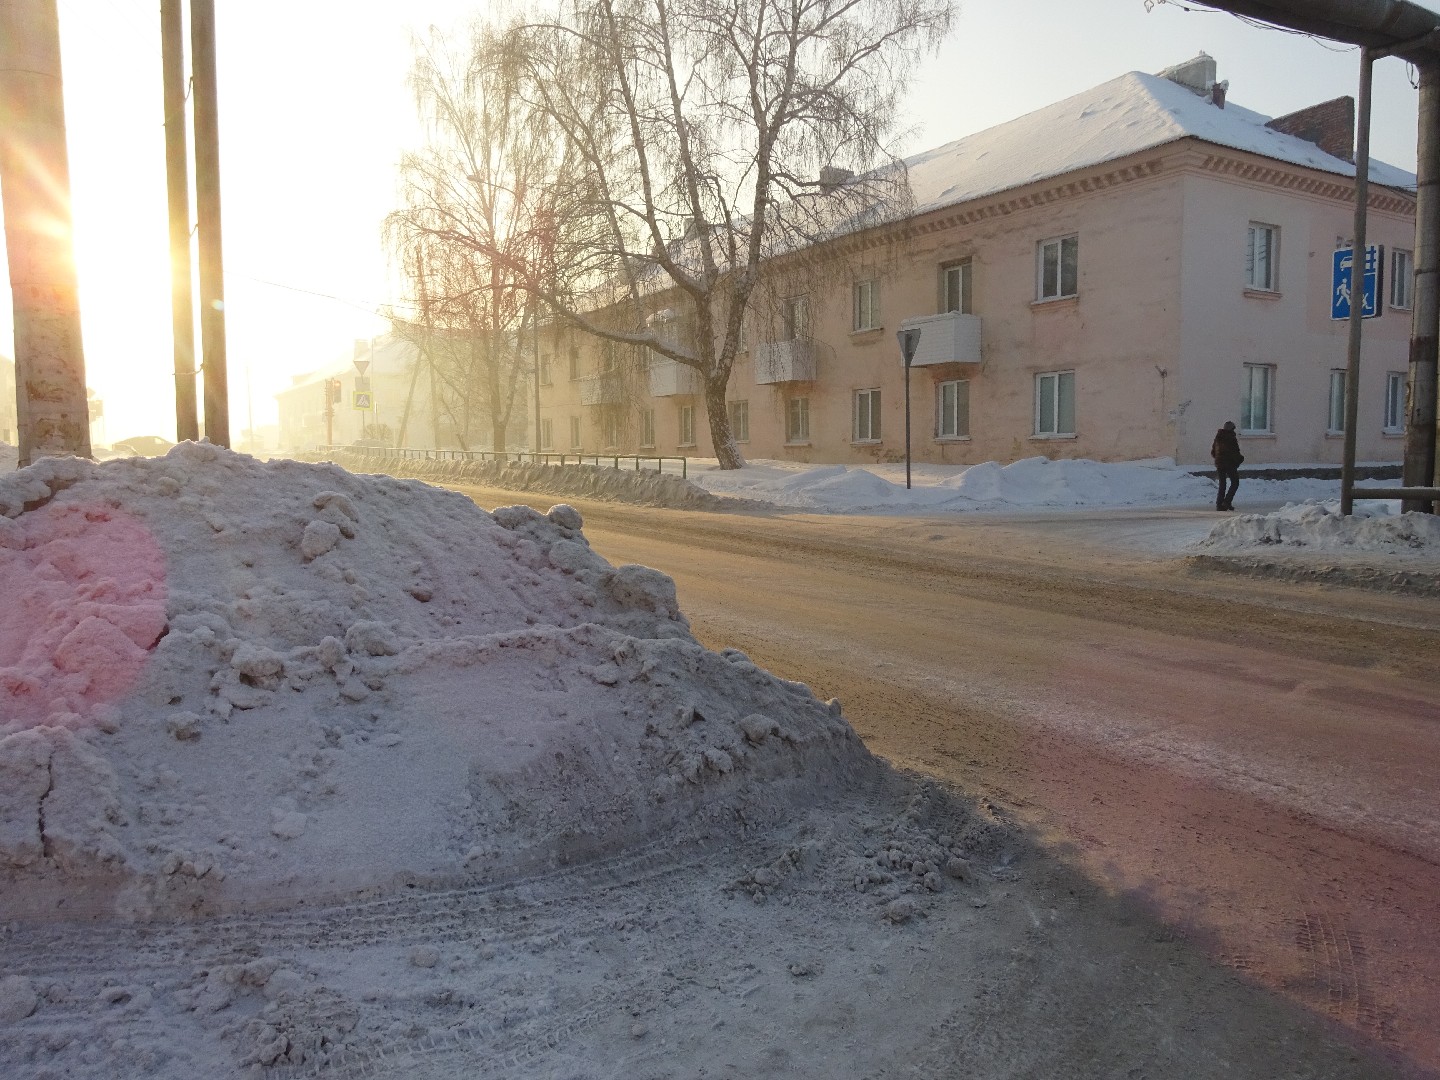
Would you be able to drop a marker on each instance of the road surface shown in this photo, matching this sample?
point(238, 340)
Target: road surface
point(1257, 761)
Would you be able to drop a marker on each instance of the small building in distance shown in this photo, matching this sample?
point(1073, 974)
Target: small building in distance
point(1111, 277)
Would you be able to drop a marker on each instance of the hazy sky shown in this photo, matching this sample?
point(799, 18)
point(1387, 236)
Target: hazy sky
point(314, 113)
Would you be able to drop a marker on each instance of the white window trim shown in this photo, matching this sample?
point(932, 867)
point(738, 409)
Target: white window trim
point(865, 307)
point(647, 443)
point(1404, 379)
point(684, 409)
point(1272, 285)
point(731, 412)
point(1408, 277)
point(965, 268)
point(1056, 434)
point(577, 434)
point(801, 439)
point(1330, 403)
point(872, 439)
point(940, 410)
point(1059, 242)
point(1269, 400)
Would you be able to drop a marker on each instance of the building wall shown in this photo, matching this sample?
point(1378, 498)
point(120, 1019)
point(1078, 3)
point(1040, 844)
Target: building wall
point(1156, 334)
point(9, 424)
point(1225, 325)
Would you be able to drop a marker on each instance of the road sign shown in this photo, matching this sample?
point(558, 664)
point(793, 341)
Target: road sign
point(363, 400)
point(362, 366)
point(362, 383)
point(1342, 282)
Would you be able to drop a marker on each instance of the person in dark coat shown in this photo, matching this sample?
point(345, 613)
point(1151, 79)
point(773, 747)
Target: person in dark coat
point(1225, 451)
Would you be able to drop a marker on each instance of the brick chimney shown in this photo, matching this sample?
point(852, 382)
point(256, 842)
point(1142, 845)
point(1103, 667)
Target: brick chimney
point(1329, 125)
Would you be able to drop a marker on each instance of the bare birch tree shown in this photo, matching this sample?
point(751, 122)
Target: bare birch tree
point(466, 233)
point(699, 141)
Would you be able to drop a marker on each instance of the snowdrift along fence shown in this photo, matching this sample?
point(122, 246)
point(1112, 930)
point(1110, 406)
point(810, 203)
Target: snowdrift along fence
point(511, 457)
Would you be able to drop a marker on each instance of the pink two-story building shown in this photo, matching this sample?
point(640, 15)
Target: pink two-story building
point(1111, 277)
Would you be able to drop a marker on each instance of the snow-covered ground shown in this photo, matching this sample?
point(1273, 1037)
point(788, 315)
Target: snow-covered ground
point(1035, 483)
point(1373, 526)
point(233, 690)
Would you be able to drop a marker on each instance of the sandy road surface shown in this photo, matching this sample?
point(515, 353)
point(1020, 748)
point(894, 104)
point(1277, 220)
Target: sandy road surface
point(1258, 762)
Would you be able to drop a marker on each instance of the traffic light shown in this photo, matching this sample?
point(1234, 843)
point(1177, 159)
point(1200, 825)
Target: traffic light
point(334, 388)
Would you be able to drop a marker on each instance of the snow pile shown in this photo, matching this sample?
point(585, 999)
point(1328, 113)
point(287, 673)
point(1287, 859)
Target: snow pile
point(646, 486)
point(1031, 483)
point(1375, 526)
point(225, 681)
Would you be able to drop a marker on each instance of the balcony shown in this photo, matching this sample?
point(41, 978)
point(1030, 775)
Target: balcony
point(670, 378)
point(785, 361)
point(951, 338)
point(604, 389)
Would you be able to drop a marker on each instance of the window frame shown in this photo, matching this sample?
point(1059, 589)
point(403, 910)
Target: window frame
point(1059, 243)
point(1402, 282)
point(865, 306)
point(739, 415)
point(1247, 406)
point(577, 442)
point(547, 434)
point(963, 270)
point(1393, 421)
point(647, 429)
point(797, 421)
point(956, 435)
point(546, 378)
point(795, 318)
point(871, 430)
point(686, 421)
point(1271, 279)
point(574, 360)
point(1336, 403)
point(1062, 377)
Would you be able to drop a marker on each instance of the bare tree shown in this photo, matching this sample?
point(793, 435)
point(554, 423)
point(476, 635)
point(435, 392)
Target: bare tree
point(466, 236)
point(699, 141)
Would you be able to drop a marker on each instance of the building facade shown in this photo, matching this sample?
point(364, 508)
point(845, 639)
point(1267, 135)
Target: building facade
point(1112, 277)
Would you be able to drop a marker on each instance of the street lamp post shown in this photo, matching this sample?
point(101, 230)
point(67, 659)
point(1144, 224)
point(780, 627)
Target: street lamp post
point(909, 341)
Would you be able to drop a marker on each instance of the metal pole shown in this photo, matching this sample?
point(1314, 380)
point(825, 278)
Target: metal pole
point(907, 423)
point(1357, 278)
point(207, 213)
point(535, 329)
point(177, 187)
point(53, 415)
point(1420, 419)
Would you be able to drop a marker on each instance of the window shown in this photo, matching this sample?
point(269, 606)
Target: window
point(610, 427)
point(1336, 424)
point(687, 425)
point(574, 362)
point(1395, 402)
point(547, 434)
point(1055, 403)
point(544, 369)
point(1058, 268)
point(647, 427)
point(867, 416)
point(740, 420)
point(866, 306)
point(955, 287)
point(1257, 395)
point(1402, 279)
point(608, 353)
point(794, 318)
point(575, 443)
point(1262, 246)
point(797, 420)
point(952, 403)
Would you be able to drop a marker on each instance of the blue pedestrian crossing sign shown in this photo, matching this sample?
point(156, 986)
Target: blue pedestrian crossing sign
point(1342, 280)
point(363, 400)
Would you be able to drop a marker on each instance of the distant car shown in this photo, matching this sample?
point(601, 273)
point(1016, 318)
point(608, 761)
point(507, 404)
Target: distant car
point(145, 445)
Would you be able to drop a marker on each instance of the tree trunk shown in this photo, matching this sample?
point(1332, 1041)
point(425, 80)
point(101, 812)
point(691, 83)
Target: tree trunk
point(726, 450)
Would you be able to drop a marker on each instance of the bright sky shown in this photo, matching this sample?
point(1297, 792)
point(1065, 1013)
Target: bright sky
point(314, 113)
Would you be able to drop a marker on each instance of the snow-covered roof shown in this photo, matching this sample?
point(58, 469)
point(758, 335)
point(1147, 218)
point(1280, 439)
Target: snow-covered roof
point(1128, 115)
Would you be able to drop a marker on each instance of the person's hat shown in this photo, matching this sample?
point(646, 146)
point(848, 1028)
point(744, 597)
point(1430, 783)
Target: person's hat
point(1229, 425)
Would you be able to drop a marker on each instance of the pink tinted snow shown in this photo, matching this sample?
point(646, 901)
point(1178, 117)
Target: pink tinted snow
point(82, 601)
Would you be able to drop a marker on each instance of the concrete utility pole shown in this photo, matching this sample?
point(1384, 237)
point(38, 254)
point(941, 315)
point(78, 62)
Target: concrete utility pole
point(1411, 32)
point(54, 416)
point(207, 213)
point(177, 177)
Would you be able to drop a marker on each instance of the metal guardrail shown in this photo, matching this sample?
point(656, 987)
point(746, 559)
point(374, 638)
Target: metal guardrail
point(513, 457)
point(1423, 494)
